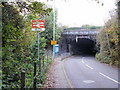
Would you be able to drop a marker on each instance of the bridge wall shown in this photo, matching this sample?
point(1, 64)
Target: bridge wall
point(67, 38)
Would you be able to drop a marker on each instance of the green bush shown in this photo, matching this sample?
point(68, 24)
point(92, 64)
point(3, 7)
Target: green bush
point(102, 58)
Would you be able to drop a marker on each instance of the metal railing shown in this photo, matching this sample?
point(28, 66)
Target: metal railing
point(39, 77)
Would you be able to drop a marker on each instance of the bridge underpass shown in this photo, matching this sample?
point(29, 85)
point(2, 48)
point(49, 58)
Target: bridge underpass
point(79, 42)
point(83, 71)
point(82, 46)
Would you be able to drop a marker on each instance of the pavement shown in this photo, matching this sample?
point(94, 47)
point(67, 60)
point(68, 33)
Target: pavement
point(82, 72)
point(56, 77)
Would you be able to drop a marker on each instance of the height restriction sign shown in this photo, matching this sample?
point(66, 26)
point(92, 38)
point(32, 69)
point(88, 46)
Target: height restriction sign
point(38, 25)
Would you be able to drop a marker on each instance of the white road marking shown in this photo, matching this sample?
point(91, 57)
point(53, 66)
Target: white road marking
point(109, 77)
point(86, 64)
point(89, 66)
point(88, 81)
point(82, 60)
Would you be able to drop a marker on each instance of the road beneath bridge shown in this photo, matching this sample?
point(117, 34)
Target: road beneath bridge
point(79, 41)
point(83, 72)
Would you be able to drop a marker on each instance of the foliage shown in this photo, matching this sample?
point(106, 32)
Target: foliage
point(35, 8)
point(86, 26)
point(59, 29)
point(48, 33)
point(12, 48)
point(91, 26)
point(19, 42)
point(109, 42)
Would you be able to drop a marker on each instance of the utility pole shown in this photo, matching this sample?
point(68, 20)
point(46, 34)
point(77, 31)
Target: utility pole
point(53, 26)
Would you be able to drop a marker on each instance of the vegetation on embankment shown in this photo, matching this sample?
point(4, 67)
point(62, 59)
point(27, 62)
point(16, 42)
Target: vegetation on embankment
point(19, 43)
point(108, 42)
point(86, 26)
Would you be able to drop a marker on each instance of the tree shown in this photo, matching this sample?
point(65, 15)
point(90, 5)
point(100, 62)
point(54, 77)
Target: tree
point(48, 33)
point(12, 36)
point(91, 26)
point(109, 42)
point(19, 42)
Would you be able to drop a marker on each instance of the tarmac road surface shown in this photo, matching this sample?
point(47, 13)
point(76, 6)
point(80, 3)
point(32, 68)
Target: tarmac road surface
point(86, 72)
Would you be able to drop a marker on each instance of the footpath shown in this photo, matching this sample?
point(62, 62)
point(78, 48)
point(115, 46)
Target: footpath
point(56, 75)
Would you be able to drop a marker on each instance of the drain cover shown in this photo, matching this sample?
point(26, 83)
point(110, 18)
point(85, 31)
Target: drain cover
point(89, 81)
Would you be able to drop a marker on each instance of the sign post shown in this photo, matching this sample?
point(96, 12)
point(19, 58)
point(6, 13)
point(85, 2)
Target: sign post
point(54, 43)
point(38, 25)
point(39, 51)
point(53, 27)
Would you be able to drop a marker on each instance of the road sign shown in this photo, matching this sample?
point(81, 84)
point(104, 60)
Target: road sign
point(38, 25)
point(56, 48)
point(38, 29)
point(53, 42)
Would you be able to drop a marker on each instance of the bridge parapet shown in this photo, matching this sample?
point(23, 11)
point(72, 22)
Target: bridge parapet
point(80, 32)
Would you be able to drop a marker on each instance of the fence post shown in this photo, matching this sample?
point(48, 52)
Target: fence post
point(43, 62)
point(47, 56)
point(34, 84)
point(22, 80)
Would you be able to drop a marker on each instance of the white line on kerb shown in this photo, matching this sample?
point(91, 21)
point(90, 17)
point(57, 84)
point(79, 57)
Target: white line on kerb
point(82, 60)
point(109, 77)
point(89, 66)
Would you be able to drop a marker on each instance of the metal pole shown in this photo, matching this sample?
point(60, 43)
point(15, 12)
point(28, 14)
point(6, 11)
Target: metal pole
point(54, 21)
point(39, 60)
point(35, 81)
point(53, 26)
point(23, 80)
point(39, 52)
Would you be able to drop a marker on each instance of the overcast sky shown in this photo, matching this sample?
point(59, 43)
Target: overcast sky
point(75, 13)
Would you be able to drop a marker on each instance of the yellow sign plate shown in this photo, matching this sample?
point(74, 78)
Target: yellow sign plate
point(53, 42)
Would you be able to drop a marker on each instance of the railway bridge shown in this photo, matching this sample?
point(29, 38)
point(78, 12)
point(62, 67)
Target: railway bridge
point(79, 41)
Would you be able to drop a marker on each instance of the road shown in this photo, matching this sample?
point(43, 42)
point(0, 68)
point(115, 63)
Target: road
point(86, 72)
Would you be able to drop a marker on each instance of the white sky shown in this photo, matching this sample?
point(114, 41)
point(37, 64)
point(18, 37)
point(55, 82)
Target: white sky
point(75, 13)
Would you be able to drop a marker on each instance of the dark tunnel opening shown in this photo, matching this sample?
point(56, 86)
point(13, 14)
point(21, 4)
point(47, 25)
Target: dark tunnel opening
point(83, 46)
